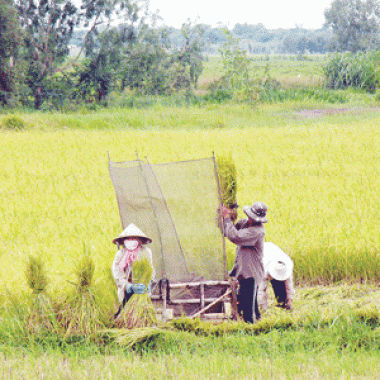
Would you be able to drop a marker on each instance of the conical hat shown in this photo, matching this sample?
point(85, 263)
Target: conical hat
point(281, 268)
point(132, 231)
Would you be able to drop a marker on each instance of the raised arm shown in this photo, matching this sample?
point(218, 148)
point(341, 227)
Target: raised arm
point(241, 237)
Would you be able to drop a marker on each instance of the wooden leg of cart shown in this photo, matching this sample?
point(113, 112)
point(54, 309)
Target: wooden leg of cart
point(234, 286)
point(202, 299)
point(164, 293)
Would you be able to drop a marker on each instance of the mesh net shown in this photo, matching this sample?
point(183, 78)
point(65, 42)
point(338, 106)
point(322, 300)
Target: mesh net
point(175, 204)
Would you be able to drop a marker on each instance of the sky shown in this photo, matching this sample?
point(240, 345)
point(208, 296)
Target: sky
point(272, 13)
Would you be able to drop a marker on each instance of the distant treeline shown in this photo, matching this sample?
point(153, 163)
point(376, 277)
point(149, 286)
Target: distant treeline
point(255, 39)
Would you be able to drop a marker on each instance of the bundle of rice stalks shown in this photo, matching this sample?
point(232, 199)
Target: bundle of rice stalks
point(41, 317)
point(227, 174)
point(130, 337)
point(80, 314)
point(227, 178)
point(35, 274)
point(139, 310)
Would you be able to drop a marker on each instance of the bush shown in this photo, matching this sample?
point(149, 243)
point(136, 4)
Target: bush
point(14, 123)
point(359, 71)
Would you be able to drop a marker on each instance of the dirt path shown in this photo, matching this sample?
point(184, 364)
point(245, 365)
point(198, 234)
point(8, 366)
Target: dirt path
point(334, 111)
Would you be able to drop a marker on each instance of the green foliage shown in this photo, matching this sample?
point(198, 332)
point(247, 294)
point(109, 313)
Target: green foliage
point(190, 55)
point(355, 24)
point(359, 71)
point(14, 123)
point(47, 32)
point(10, 43)
point(147, 66)
point(236, 80)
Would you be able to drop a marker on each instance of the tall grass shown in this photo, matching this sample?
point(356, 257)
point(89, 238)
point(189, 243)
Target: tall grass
point(359, 71)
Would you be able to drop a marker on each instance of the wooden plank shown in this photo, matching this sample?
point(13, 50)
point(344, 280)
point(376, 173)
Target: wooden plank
point(202, 290)
point(187, 301)
point(214, 316)
point(198, 283)
point(164, 301)
point(211, 304)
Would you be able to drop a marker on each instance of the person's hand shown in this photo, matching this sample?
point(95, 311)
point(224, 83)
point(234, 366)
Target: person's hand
point(226, 212)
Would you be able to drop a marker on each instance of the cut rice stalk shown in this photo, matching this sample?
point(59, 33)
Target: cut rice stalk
point(139, 310)
point(41, 317)
point(81, 315)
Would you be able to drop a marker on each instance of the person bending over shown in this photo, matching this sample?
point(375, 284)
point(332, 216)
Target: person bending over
point(279, 272)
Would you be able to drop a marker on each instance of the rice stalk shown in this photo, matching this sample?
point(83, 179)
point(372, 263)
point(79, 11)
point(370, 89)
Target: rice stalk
point(35, 274)
point(129, 337)
point(139, 311)
point(80, 313)
point(41, 316)
point(227, 178)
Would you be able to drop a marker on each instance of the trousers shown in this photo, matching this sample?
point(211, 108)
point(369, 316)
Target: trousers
point(247, 300)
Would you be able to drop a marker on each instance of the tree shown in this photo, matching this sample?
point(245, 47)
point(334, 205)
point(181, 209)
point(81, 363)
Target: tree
point(48, 25)
point(10, 40)
point(355, 24)
point(236, 82)
point(190, 56)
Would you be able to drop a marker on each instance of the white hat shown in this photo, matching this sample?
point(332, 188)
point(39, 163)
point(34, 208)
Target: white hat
point(280, 268)
point(132, 231)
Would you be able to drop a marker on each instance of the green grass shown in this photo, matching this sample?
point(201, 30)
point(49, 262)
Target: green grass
point(333, 332)
point(319, 176)
point(289, 70)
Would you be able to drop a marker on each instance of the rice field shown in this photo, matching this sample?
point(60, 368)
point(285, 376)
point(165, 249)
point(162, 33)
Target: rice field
point(319, 178)
point(316, 166)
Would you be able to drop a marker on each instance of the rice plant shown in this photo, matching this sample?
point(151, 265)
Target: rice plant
point(80, 313)
point(139, 310)
point(129, 337)
point(41, 316)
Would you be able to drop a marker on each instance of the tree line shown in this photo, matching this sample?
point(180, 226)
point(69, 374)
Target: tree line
point(120, 47)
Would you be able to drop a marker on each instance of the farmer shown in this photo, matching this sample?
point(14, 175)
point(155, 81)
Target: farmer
point(132, 247)
point(248, 234)
point(279, 271)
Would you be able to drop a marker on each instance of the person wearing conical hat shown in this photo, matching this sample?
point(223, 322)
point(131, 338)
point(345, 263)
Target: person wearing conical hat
point(279, 271)
point(132, 244)
point(248, 234)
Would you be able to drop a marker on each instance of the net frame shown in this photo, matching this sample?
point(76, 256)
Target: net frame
point(147, 177)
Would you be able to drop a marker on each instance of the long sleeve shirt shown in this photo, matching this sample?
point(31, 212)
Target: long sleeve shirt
point(123, 278)
point(249, 251)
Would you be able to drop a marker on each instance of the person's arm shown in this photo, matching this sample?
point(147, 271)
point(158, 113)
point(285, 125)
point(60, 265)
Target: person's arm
point(241, 237)
point(290, 292)
point(122, 278)
point(262, 293)
point(117, 273)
